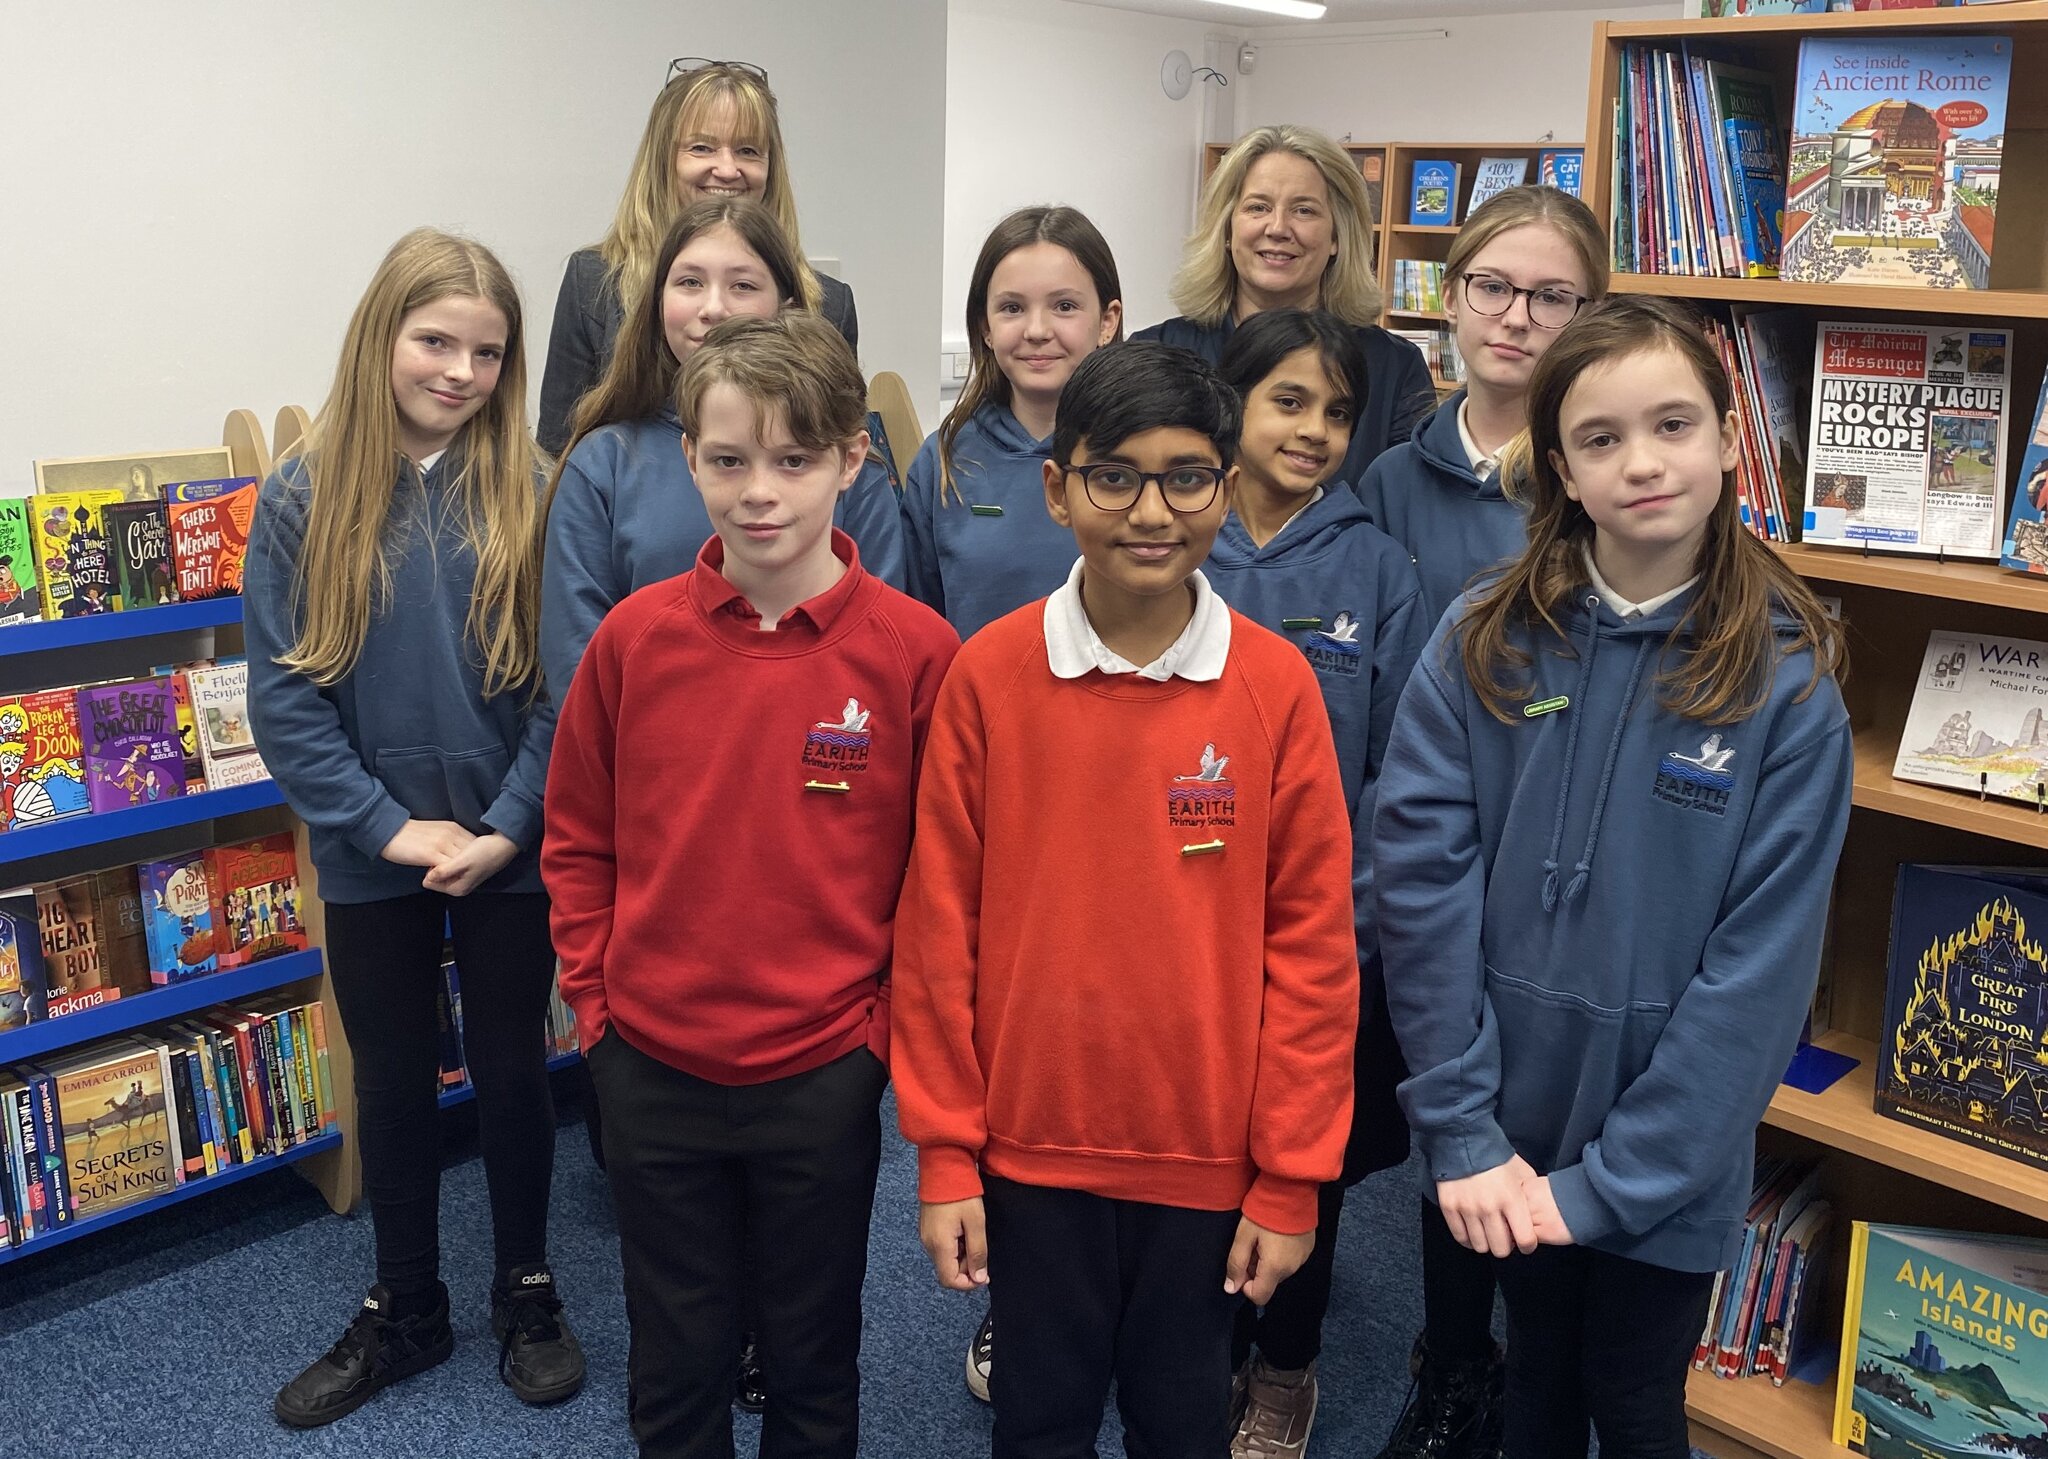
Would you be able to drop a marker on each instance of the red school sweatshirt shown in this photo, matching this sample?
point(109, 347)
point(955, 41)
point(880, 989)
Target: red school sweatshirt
point(728, 816)
point(1125, 960)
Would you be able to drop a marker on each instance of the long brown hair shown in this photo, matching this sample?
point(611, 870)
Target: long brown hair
point(1068, 228)
point(352, 461)
point(650, 203)
point(641, 376)
point(1726, 647)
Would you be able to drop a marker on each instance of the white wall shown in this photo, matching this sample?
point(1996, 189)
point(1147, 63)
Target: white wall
point(1388, 82)
point(196, 194)
point(1082, 121)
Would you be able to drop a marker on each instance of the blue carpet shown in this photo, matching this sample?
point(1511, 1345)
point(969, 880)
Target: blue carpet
point(167, 1337)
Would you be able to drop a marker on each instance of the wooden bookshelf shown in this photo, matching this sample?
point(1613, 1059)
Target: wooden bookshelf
point(1877, 1168)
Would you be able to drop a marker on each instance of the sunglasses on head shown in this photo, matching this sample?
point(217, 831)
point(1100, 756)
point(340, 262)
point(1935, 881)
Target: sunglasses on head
point(684, 65)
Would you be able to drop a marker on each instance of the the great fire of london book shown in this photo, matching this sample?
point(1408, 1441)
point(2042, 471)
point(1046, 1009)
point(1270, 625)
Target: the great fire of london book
point(1966, 1008)
point(1944, 1345)
point(1977, 718)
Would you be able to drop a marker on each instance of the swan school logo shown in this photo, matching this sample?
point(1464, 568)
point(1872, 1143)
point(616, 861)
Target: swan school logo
point(839, 746)
point(1336, 649)
point(1699, 782)
point(1205, 798)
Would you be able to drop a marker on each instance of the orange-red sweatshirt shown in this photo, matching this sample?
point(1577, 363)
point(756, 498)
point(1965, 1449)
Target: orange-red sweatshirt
point(1125, 961)
point(728, 814)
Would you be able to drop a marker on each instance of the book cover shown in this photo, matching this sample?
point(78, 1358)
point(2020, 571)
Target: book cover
point(177, 908)
point(220, 712)
point(1561, 168)
point(205, 490)
point(142, 554)
point(2026, 535)
point(42, 770)
point(119, 1145)
point(49, 1132)
point(188, 729)
point(1944, 1345)
point(1752, 147)
point(74, 555)
point(20, 598)
point(1905, 450)
point(209, 540)
point(1372, 167)
point(1964, 1050)
point(191, 1145)
point(128, 735)
point(31, 1195)
point(1976, 719)
point(24, 986)
point(1895, 155)
point(95, 947)
point(1434, 199)
point(255, 889)
point(1495, 175)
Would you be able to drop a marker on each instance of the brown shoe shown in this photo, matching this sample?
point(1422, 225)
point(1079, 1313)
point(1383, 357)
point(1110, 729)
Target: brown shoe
point(1280, 1409)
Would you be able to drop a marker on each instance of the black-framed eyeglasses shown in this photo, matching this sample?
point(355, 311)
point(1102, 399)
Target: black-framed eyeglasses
point(1114, 487)
point(684, 65)
point(1549, 308)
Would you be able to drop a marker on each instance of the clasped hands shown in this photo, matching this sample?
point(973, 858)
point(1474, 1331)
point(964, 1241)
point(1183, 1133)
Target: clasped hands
point(457, 860)
point(1503, 1210)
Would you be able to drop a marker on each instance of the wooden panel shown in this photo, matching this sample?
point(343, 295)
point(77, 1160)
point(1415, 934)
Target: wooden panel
point(1990, 305)
point(1791, 27)
point(1759, 1417)
point(1960, 582)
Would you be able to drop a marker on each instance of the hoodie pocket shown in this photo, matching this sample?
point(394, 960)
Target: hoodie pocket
point(1564, 1061)
point(439, 785)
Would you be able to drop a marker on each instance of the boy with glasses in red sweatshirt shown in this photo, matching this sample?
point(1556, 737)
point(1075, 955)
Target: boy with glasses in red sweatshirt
point(1125, 972)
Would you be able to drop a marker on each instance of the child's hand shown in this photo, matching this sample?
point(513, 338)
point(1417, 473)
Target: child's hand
point(1260, 1260)
point(425, 843)
point(1489, 1212)
point(955, 1237)
point(1544, 1217)
point(483, 858)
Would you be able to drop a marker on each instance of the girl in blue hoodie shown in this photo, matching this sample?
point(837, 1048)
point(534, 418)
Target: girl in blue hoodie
point(1044, 296)
point(1298, 555)
point(1519, 270)
point(1607, 826)
point(389, 603)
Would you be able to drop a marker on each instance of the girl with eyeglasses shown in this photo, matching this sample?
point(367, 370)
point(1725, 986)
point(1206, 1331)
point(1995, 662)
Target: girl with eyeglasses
point(1518, 272)
point(713, 132)
point(1284, 224)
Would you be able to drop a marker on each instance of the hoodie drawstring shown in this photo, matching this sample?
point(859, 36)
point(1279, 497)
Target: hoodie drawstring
point(1571, 753)
point(1628, 702)
point(1584, 866)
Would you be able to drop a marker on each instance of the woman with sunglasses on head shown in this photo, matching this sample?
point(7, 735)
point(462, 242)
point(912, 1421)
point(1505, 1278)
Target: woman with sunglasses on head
point(1284, 225)
point(713, 132)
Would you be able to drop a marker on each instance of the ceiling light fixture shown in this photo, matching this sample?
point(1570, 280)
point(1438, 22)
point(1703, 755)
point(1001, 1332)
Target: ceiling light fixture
point(1292, 9)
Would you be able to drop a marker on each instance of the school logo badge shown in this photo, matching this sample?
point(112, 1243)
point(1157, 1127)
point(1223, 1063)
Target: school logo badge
point(1336, 649)
point(1205, 798)
point(1699, 782)
point(841, 745)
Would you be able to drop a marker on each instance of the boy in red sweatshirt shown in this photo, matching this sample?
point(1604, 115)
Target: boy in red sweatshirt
point(1126, 979)
point(728, 817)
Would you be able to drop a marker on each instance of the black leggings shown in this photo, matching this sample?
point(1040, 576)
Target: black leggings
point(385, 959)
point(1599, 1341)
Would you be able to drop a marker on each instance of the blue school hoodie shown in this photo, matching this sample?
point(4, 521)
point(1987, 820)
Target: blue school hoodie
point(407, 733)
point(1338, 587)
point(1422, 493)
point(1602, 925)
point(627, 513)
point(994, 547)
point(1398, 388)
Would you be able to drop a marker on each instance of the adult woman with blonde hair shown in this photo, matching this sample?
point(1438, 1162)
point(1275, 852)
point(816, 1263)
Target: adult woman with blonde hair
point(713, 132)
point(1284, 224)
point(391, 606)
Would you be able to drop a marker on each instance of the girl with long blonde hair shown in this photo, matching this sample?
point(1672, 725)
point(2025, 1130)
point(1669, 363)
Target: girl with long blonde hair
point(1607, 828)
point(713, 132)
point(1284, 223)
point(391, 609)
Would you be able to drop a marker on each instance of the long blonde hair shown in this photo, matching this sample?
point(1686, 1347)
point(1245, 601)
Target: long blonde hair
point(650, 203)
point(1727, 647)
point(351, 461)
point(641, 377)
point(1205, 288)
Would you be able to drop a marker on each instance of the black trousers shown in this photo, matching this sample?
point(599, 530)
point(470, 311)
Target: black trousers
point(1601, 1341)
point(711, 1181)
point(385, 960)
point(1288, 1331)
point(1084, 1290)
point(1457, 1293)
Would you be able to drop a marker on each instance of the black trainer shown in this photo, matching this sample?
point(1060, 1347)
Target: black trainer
point(1453, 1409)
point(378, 1350)
point(538, 1357)
point(750, 1392)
